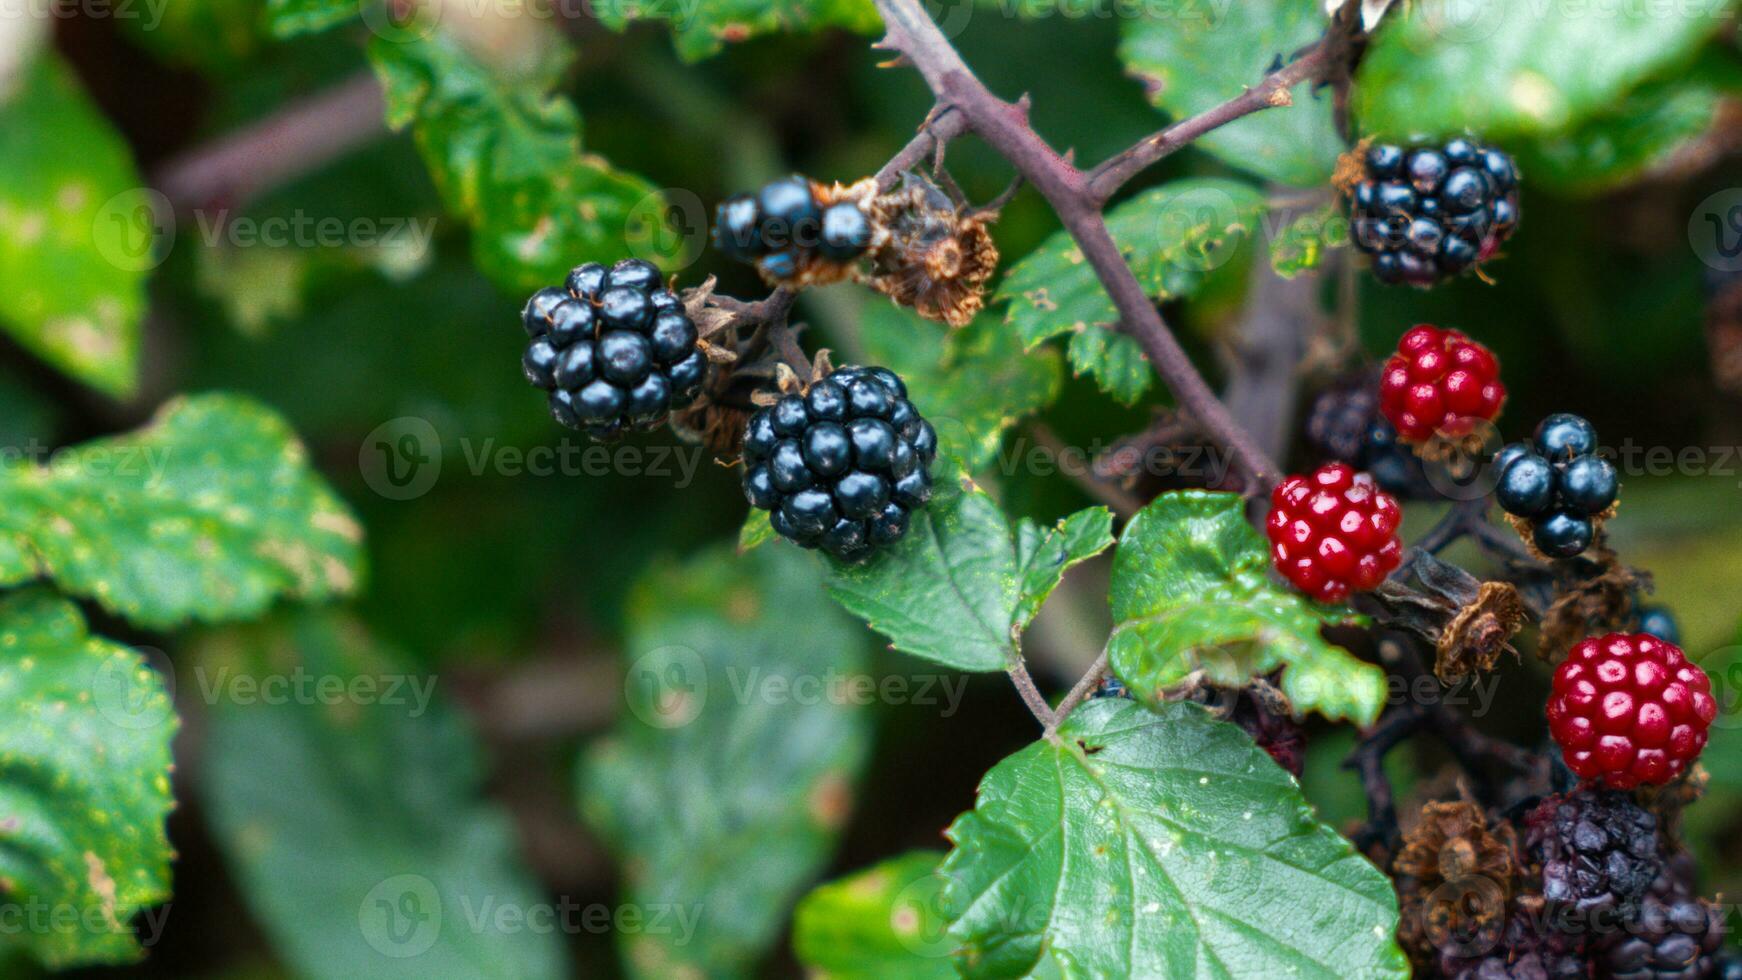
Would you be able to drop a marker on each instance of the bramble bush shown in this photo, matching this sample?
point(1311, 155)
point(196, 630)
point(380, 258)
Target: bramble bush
point(1005, 489)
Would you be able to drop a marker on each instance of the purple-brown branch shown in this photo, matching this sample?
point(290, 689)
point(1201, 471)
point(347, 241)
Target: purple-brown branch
point(1004, 125)
point(1105, 180)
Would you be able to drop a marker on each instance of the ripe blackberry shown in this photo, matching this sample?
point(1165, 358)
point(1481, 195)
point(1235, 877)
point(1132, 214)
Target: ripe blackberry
point(1556, 486)
point(1629, 709)
point(614, 349)
point(1439, 381)
point(843, 466)
point(1429, 213)
point(1595, 851)
point(1674, 936)
point(1334, 532)
point(794, 228)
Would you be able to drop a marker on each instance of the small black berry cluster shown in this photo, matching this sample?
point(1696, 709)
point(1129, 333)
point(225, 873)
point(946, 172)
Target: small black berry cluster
point(1345, 425)
point(843, 466)
point(786, 225)
point(614, 348)
point(1429, 213)
point(1557, 484)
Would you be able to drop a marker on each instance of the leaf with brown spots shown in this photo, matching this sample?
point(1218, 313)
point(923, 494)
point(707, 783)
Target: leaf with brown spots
point(212, 512)
point(85, 729)
point(78, 231)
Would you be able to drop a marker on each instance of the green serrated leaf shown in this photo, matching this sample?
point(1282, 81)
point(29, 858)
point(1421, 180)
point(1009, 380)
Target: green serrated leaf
point(1506, 70)
point(1043, 555)
point(1302, 245)
point(703, 29)
point(724, 787)
point(292, 18)
point(211, 512)
point(349, 804)
point(506, 156)
point(972, 384)
point(1192, 591)
point(1172, 236)
point(78, 230)
point(958, 589)
point(1159, 843)
point(881, 922)
point(1194, 63)
point(85, 729)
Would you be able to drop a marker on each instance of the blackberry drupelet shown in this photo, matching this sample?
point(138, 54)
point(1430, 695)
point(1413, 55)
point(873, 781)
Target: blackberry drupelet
point(843, 466)
point(1429, 213)
point(614, 349)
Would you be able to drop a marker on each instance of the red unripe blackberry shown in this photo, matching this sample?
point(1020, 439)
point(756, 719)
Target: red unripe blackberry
point(1334, 532)
point(1439, 381)
point(1629, 709)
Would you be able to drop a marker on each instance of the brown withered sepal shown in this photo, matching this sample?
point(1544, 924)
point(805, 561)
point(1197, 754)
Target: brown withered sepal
point(1469, 622)
point(932, 254)
point(1456, 874)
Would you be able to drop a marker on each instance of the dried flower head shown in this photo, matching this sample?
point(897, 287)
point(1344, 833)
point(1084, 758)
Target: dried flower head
point(935, 255)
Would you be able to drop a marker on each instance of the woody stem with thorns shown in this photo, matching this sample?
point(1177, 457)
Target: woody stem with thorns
point(964, 105)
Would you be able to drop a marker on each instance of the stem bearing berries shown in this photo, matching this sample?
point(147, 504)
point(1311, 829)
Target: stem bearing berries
point(842, 466)
point(1429, 213)
point(1334, 532)
point(1556, 487)
point(1629, 709)
point(1439, 381)
point(614, 348)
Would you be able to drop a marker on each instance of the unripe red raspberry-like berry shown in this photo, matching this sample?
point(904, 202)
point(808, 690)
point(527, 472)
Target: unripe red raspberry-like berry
point(1334, 532)
point(1629, 709)
point(1439, 381)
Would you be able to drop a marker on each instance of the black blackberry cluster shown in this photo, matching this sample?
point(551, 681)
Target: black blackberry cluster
point(843, 466)
point(614, 348)
point(1345, 424)
point(1598, 855)
point(1557, 483)
point(784, 224)
point(1429, 213)
point(1674, 936)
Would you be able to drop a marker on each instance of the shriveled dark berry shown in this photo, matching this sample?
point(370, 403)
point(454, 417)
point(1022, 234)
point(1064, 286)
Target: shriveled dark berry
point(1597, 851)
